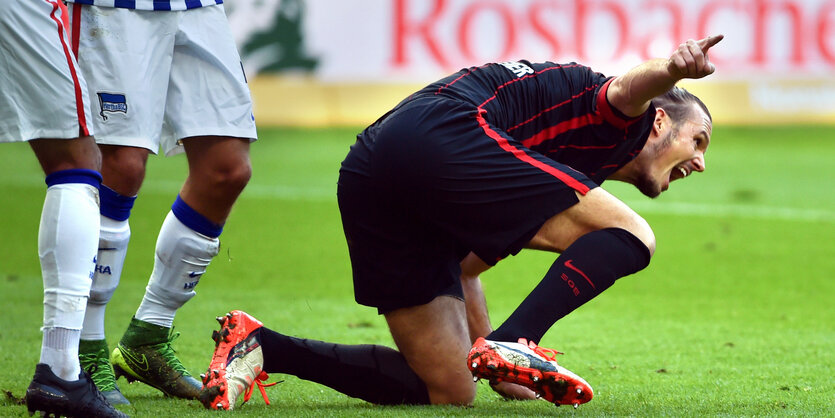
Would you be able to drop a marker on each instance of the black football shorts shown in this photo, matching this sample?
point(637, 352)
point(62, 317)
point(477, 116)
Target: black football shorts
point(430, 182)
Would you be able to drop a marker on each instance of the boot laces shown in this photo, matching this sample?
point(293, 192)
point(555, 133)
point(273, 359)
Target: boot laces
point(169, 354)
point(547, 353)
point(97, 366)
point(259, 380)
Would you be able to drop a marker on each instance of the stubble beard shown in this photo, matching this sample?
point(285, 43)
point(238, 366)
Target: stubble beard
point(646, 183)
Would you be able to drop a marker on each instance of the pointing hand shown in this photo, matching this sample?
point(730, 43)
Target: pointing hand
point(690, 60)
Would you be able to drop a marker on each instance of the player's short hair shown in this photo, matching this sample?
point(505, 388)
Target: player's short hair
point(678, 102)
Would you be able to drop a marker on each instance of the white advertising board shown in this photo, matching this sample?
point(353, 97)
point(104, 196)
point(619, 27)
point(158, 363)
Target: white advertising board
point(778, 57)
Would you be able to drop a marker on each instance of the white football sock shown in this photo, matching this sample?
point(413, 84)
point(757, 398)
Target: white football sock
point(182, 256)
point(67, 240)
point(113, 246)
point(60, 351)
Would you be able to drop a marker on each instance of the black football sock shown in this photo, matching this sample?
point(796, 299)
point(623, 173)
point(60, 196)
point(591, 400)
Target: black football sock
point(373, 373)
point(585, 269)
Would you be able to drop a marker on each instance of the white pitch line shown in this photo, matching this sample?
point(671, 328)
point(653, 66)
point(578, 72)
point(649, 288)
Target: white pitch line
point(321, 193)
point(328, 194)
point(741, 211)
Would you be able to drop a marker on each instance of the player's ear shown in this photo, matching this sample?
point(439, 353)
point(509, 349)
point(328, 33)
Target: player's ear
point(661, 120)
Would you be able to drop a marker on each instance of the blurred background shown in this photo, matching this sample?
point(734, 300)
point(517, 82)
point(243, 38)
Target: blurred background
point(734, 317)
point(323, 62)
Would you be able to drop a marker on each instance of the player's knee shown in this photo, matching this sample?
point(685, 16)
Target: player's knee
point(641, 229)
point(231, 176)
point(124, 168)
point(459, 392)
point(451, 386)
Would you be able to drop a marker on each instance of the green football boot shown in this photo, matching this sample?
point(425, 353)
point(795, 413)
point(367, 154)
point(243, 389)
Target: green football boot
point(94, 358)
point(145, 354)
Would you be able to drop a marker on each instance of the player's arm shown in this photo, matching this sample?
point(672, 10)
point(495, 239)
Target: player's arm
point(474, 300)
point(632, 92)
point(478, 320)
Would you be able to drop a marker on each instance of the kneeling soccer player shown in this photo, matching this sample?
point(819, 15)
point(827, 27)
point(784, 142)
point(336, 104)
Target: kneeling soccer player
point(463, 173)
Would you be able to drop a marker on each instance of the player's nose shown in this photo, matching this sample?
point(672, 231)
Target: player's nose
point(699, 163)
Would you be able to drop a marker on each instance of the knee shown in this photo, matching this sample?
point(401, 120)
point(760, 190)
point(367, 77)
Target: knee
point(123, 168)
point(230, 176)
point(641, 229)
point(460, 392)
point(451, 386)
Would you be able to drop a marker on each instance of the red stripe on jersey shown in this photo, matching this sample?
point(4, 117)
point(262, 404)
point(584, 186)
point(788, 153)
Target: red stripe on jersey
point(605, 109)
point(521, 155)
point(469, 71)
point(563, 103)
point(79, 101)
point(453, 81)
point(563, 127)
point(516, 80)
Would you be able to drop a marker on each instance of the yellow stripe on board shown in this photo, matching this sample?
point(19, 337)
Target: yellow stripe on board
point(305, 101)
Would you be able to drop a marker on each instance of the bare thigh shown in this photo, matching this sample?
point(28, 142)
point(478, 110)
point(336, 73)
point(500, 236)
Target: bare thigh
point(434, 340)
point(598, 209)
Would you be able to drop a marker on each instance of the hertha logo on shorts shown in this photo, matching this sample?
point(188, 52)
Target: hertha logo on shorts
point(112, 102)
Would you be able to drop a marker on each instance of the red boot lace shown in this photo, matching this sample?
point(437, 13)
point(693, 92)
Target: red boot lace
point(542, 351)
point(262, 377)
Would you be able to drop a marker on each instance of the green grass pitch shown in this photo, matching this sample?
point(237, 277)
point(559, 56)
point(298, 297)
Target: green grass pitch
point(735, 316)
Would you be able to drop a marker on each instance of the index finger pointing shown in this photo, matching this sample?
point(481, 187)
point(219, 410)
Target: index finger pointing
point(709, 42)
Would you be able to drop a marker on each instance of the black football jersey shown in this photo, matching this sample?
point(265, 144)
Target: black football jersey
point(558, 110)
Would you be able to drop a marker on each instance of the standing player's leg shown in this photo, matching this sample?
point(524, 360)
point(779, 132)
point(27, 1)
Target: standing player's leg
point(128, 116)
point(123, 170)
point(204, 61)
point(53, 118)
point(219, 170)
point(140, 99)
point(66, 245)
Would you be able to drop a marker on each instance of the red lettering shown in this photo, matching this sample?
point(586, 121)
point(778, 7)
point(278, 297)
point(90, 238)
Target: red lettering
point(675, 28)
point(536, 14)
point(570, 283)
point(592, 31)
point(467, 17)
point(825, 32)
point(404, 29)
point(581, 15)
point(762, 10)
point(707, 12)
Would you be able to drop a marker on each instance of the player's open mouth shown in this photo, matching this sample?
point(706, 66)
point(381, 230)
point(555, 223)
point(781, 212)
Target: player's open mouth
point(679, 172)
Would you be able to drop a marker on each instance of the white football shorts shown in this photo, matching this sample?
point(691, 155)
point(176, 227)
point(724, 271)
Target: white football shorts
point(42, 91)
point(156, 77)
